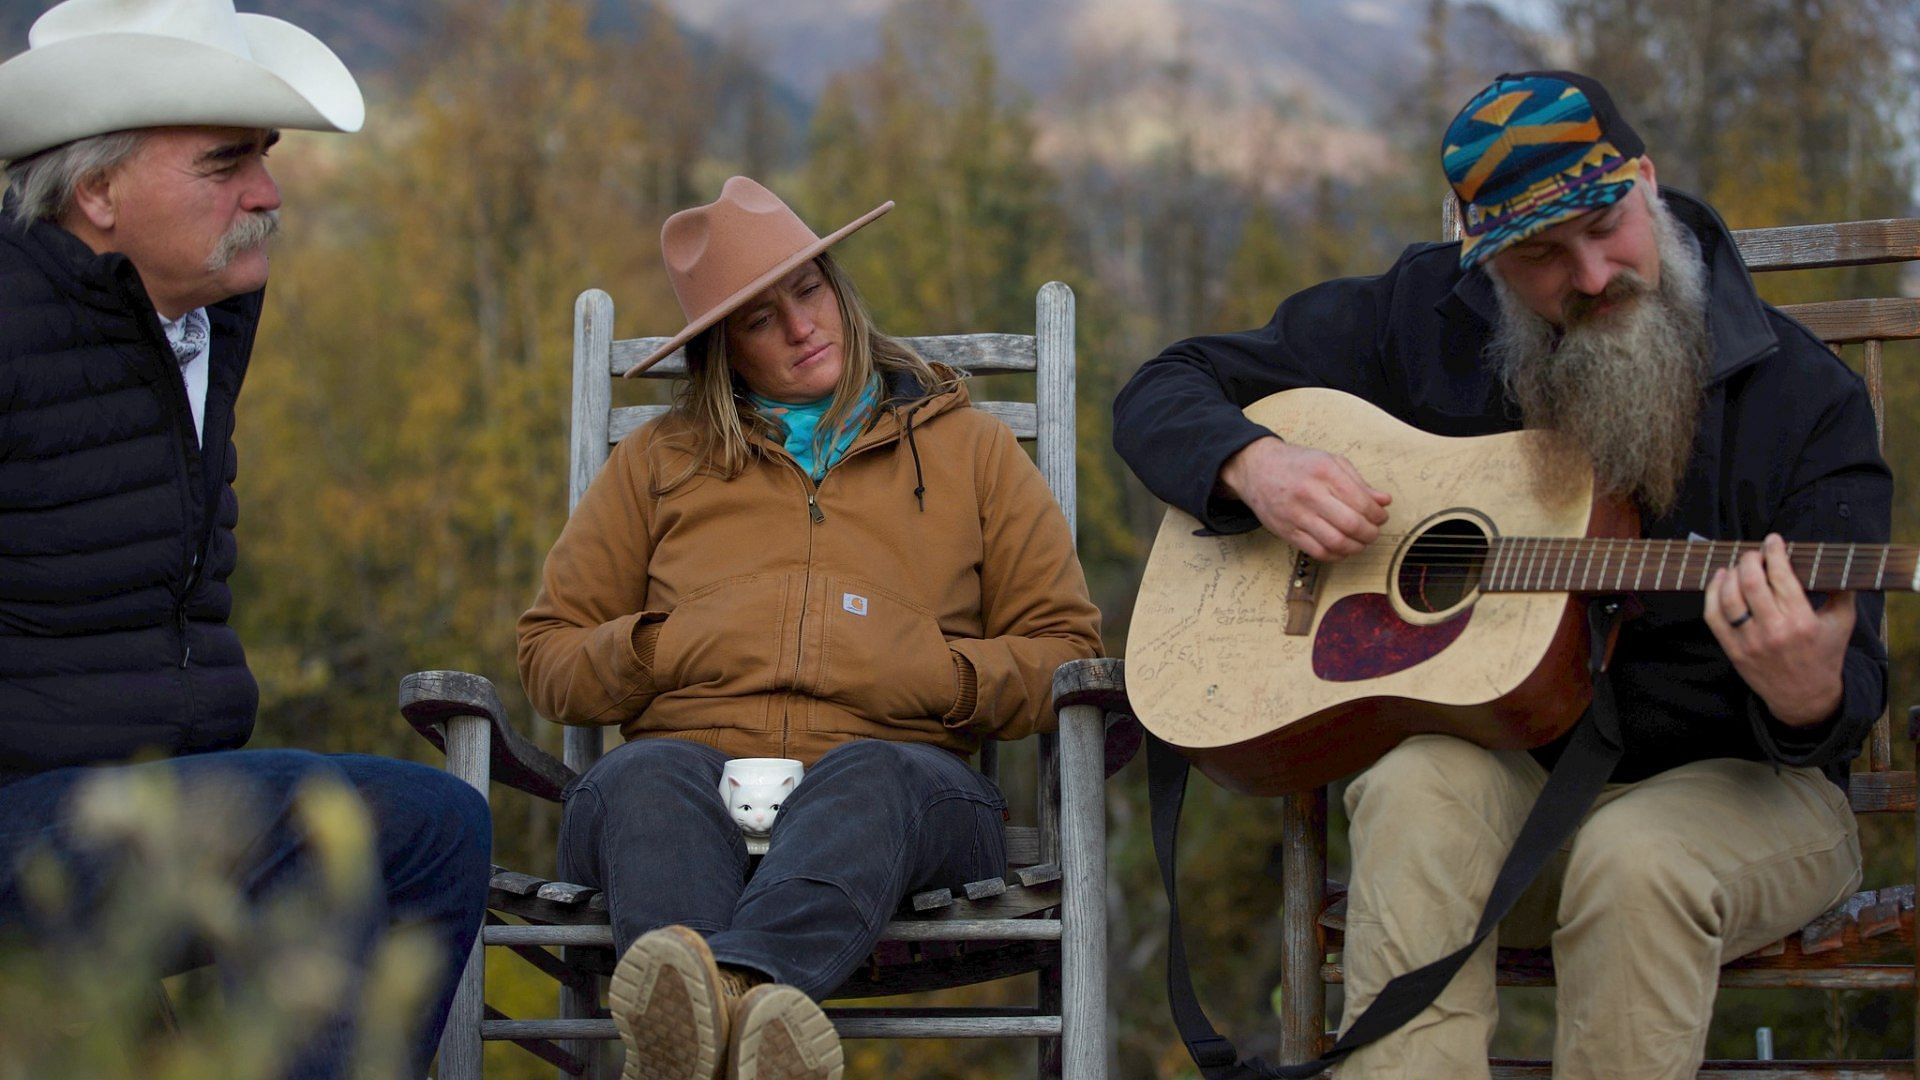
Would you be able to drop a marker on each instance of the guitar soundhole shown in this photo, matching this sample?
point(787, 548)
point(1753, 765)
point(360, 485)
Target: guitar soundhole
point(1441, 569)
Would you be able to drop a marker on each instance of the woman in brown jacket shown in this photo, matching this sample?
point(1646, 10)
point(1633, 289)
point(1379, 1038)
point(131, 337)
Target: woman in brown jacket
point(822, 552)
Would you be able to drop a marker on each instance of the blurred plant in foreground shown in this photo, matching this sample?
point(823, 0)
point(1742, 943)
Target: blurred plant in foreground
point(154, 889)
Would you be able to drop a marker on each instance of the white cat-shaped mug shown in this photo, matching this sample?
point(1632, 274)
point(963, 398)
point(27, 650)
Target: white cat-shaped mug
point(755, 788)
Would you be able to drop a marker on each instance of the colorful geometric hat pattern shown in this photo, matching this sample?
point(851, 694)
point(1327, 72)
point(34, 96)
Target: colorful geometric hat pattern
point(1531, 151)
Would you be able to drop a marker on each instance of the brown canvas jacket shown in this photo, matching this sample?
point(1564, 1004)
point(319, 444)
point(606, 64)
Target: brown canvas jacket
point(771, 618)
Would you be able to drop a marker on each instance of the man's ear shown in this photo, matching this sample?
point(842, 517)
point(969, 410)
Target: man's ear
point(93, 199)
point(1646, 177)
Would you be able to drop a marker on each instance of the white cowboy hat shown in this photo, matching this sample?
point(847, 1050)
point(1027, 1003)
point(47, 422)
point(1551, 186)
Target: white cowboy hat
point(94, 66)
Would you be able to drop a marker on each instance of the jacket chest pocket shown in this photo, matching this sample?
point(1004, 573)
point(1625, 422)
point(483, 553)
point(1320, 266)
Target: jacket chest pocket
point(882, 656)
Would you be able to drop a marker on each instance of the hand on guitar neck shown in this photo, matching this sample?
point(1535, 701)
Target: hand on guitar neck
point(1316, 501)
point(1789, 653)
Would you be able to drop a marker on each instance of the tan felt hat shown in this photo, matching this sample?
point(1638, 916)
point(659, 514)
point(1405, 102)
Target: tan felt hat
point(720, 255)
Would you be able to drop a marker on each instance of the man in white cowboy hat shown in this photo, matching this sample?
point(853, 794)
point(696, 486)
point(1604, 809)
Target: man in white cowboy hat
point(133, 259)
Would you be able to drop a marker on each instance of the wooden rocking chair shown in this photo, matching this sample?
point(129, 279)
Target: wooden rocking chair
point(1046, 915)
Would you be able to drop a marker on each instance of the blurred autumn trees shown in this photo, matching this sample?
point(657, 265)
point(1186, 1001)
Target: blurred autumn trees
point(403, 432)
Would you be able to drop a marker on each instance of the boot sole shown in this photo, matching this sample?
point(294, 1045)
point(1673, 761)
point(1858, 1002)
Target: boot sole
point(780, 1034)
point(666, 1002)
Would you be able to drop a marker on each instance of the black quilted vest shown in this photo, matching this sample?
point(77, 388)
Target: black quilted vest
point(116, 527)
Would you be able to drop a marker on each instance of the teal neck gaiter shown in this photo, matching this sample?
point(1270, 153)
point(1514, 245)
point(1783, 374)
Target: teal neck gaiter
point(801, 426)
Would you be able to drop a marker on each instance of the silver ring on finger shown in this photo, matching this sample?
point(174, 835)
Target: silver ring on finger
point(1742, 620)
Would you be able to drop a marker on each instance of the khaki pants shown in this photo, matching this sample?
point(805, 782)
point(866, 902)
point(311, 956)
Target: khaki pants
point(1666, 880)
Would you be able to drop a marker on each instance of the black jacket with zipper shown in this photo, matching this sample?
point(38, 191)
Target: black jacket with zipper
point(116, 526)
point(1786, 444)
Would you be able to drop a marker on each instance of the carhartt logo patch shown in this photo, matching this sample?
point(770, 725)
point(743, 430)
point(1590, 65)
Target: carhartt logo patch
point(853, 603)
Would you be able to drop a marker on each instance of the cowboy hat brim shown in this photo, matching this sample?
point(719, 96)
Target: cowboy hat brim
point(752, 288)
point(97, 83)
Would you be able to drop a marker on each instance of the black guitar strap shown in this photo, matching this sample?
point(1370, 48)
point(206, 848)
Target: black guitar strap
point(1584, 766)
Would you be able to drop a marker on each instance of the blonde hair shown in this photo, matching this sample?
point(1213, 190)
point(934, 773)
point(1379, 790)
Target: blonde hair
point(721, 419)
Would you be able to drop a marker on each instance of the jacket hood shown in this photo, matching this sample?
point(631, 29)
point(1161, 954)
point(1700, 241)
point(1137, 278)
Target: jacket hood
point(904, 390)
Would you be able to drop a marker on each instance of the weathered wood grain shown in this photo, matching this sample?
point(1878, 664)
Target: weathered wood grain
point(931, 899)
point(1031, 876)
point(544, 1049)
point(551, 965)
point(1019, 416)
point(1843, 243)
point(1023, 845)
point(1054, 389)
point(968, 352)
point(1746, 1070)
point(985, 889)
point(429, 699)
point(1083, 911)
point(593, 346)
point(1100, 682)
point(545, 912)
point(515, 882)
point(562, 892)
point(1303, 873)
point(588, 448)
point(1848, 322)
point(1881, 792)
point(1018, 901)
point(849, 1023)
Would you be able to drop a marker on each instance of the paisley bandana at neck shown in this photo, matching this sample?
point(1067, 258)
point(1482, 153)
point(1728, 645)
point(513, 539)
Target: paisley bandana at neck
point(187, 335)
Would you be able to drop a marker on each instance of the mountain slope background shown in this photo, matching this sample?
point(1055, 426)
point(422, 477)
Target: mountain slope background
point(1338, 70)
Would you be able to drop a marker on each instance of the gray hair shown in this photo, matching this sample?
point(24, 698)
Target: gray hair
point(42, 186)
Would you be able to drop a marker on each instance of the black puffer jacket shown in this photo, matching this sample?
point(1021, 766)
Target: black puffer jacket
point(1786, 444)
point(116, 529)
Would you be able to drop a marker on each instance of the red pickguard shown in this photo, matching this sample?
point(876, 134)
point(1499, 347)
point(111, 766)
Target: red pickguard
point(1362, 637)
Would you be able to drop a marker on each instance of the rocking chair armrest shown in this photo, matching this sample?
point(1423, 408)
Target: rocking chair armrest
point(1102, 683)
point(429, 698)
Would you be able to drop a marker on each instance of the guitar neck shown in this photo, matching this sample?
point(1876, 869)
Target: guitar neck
point(1591, 564)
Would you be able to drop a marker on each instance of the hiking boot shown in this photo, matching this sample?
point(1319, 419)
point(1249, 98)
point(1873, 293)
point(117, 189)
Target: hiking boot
point(780, 1034)
point(667, 1001)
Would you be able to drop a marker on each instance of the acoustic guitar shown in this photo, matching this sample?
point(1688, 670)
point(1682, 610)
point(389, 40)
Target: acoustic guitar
point(1276, 673)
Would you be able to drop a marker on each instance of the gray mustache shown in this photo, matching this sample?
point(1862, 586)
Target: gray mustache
point(248, 233)
point(1626, 285)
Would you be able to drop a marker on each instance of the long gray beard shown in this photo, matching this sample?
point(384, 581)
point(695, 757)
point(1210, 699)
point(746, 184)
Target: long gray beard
point(1625, 389)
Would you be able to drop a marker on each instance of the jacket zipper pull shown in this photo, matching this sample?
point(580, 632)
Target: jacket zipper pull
point(180, 609)
point(813, 509)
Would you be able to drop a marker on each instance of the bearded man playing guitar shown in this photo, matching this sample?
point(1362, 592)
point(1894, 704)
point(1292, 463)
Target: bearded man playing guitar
point(1586, 300)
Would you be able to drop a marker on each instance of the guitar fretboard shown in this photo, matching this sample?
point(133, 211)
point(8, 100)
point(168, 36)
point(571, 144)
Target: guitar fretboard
point(1552, 564)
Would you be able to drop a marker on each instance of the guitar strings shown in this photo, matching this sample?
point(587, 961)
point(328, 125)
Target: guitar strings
point(1460, 557)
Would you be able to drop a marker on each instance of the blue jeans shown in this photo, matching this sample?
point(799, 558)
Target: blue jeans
point(871, 823)
point(433, 841)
